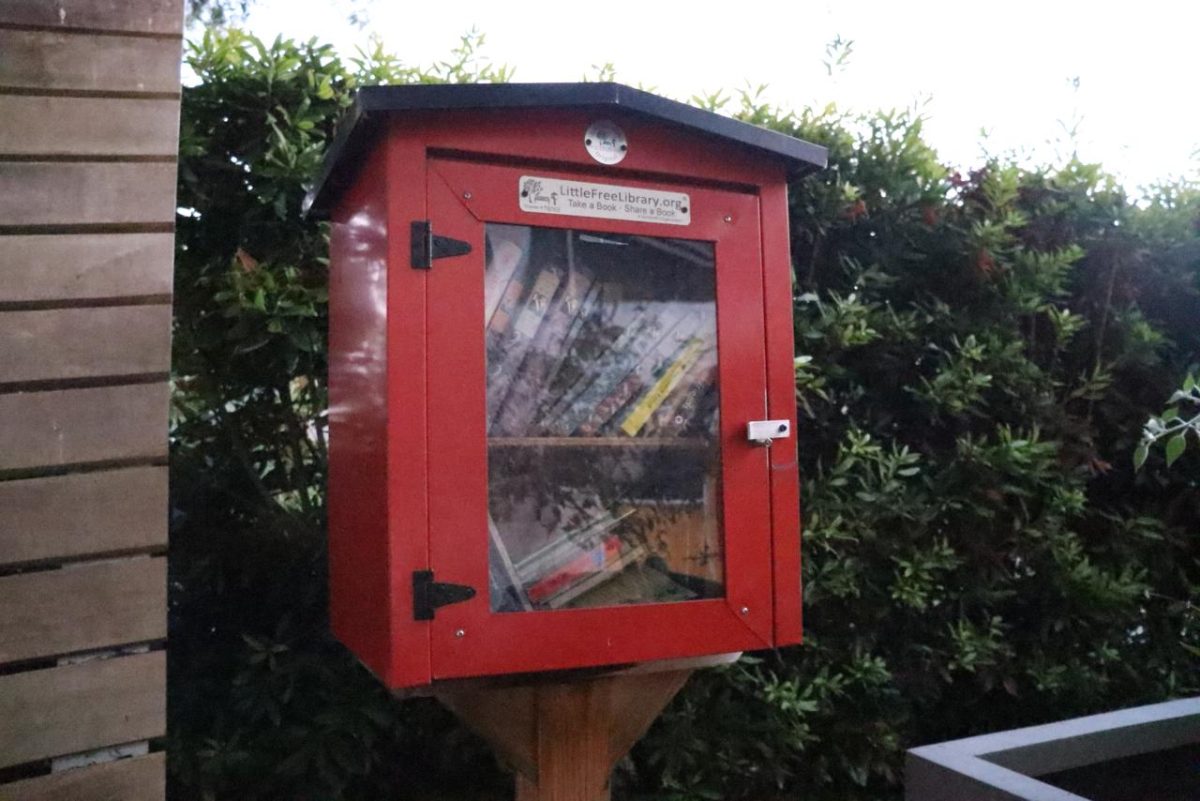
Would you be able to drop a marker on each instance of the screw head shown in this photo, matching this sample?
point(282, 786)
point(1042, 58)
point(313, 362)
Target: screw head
point(466, 195)
point(460, 633)
point(745, 610)
point(728, 218)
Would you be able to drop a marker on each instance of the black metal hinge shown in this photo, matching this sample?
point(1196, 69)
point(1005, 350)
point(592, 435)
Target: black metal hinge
point(426, 246)
point(428, 594)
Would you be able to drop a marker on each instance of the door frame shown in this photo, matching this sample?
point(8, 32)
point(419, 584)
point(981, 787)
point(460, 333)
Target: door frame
point(467, 639)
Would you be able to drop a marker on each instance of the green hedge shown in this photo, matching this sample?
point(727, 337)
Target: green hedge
point(976, 355)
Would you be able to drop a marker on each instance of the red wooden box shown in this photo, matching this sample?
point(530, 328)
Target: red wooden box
point(555, 310)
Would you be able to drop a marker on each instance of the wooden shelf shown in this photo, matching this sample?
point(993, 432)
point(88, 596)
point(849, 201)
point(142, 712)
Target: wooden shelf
point(693, 443)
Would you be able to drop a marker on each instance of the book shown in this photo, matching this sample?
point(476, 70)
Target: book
point(564, 544)
point(584, 582)
point(691, 406)
point(598, 324)
point(656, 394)
point(507, 354)
point(574, 298)
point(509, 246)
point(679, 325)
point(602, 375)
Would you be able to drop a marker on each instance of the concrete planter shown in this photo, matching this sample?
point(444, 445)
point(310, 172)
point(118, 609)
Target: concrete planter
point(1139, 754)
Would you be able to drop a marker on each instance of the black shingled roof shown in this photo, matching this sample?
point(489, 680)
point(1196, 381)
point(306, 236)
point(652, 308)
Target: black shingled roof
point(372, 103)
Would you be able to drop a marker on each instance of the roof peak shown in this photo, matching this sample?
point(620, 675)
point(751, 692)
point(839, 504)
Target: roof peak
point(355, 130)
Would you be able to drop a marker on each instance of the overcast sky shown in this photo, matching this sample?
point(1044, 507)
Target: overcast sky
point(1125, 75)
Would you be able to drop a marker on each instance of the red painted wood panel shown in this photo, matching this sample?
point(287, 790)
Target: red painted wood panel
point(781, 404)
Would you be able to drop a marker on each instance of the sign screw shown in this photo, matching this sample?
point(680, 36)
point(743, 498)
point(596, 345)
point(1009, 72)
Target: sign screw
point(460, 633)
point(728, 218)
point(466, 195)
point(745, 610)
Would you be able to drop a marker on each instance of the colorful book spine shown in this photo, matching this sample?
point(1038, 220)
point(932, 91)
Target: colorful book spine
point(604, 374)
point(585, 563)
point(680, 412)
point(667, 382)
point(613, 566)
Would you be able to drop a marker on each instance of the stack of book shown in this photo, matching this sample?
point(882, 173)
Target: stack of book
point(571, 355)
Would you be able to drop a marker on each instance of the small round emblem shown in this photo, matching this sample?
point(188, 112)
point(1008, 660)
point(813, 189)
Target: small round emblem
point(605, 142)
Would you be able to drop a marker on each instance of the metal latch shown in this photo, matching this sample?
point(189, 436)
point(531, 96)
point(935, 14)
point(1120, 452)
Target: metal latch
point(428, 594)
point(426, 246)
point(764, 432)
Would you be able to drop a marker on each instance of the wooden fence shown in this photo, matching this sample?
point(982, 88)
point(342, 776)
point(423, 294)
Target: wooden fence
point(89, 107)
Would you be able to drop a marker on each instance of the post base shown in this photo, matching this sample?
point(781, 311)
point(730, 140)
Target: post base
point(563, 737)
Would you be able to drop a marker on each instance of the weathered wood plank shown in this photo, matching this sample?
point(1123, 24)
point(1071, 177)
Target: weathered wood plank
point(66, 517)
point(86, 342)
point(83, 608)
point(82, 62)
point(40, 429)
point(65, 710)
point(54, 193)
point(88, 126)
point(140, 16)
point(140, 779)
point(84, 266)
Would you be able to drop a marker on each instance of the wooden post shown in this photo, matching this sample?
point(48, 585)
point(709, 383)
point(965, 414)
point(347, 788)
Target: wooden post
point(562, 736)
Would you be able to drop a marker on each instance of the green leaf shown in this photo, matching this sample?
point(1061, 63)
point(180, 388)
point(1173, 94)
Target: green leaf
point(1175, 448)
point(1140, 454)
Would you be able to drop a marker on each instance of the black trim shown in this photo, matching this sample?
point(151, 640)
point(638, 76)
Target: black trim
point(357, 131)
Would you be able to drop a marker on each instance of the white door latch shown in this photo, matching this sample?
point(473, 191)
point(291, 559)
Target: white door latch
point(764, 432)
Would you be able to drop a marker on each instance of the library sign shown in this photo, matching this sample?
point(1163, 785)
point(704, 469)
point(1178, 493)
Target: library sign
point(542, 195)
point(561, 384)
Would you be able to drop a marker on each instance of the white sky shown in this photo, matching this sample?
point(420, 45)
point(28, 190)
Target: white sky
point(1006, 67)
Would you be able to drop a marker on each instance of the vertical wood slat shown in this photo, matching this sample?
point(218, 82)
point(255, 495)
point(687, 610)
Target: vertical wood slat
point(84, 266)
point(140, 779)
point(137, 16)
point(41, 429)
point(84, 343)
point(54, 193)
point(67, 517)
point(66, 710)
point(88, 126)
point(82, 607)
point(56, 61)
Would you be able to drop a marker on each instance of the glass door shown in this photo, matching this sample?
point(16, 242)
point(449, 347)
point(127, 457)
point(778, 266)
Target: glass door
point(590, 380)
point(603, 410)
